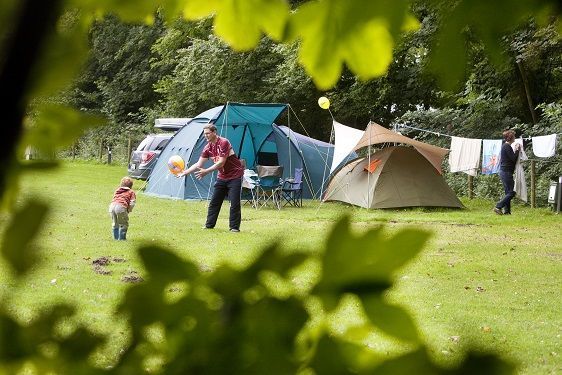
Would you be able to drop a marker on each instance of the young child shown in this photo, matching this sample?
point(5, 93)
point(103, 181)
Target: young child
point(123, 202)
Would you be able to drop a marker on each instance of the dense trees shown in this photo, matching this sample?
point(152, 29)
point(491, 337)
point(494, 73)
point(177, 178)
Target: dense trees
point(136, 73)
point(179, 68)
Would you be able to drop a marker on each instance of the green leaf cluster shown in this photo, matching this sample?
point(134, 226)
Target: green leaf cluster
point(183, 320)
point(41, 347)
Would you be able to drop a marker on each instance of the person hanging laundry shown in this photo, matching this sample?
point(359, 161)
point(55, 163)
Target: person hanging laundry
point(508, 159)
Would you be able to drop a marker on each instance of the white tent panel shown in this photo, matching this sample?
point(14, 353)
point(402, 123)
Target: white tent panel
point(346, 140)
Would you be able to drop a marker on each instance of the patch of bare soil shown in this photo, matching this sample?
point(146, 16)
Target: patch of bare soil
point(99, 265)
point(132, 277)
point(102, 261)
point(101, 270)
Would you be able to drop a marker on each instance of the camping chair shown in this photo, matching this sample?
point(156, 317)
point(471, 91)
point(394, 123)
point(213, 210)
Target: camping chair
point(269, 185)
point(249, 187)
point(291, 191)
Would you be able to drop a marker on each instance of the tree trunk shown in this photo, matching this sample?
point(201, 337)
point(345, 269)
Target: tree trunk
point(129, 149)
point(527, 91)
point(34, 21)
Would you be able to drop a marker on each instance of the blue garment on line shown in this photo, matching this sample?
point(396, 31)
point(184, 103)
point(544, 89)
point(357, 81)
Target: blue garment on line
point(491, 155)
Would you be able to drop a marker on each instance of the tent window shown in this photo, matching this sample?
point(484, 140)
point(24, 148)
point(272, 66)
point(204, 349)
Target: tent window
point(372, 165)
point(267, 158)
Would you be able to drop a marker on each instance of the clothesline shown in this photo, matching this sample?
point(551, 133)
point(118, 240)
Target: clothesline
point(439, 134)
point(424, 130)
point(466, 153)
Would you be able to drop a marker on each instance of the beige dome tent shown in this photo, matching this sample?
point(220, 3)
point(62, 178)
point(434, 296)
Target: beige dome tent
point(396, 176)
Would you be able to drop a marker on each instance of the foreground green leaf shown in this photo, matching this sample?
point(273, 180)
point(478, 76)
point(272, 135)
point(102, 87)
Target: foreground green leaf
point(354, 32)
point(24, 227)
point(356, 263)
point(38, 344)
point(391, 319)
point(419, 362)
point(241, 22)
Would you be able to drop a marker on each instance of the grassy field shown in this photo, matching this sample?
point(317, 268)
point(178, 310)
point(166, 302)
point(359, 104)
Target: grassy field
point(486, 280)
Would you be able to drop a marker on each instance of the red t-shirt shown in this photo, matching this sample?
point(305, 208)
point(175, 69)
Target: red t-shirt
point(232, 168)
point(125, 197)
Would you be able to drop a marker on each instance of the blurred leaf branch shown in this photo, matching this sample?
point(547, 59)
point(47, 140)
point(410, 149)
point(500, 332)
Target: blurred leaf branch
point(187, 321)
point(229, 319)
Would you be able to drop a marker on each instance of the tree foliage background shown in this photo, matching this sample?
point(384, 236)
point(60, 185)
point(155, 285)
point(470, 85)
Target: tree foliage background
point(67, 67)
point(506, 75)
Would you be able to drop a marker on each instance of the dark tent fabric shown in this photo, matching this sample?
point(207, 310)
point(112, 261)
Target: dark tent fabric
point(392, 177)
point(255, 137)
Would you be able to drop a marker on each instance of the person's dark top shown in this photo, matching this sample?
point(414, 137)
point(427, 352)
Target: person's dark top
point(508, 158)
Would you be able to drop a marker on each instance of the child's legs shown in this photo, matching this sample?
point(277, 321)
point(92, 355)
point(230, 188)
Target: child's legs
point(120, 217)
point(113, 216)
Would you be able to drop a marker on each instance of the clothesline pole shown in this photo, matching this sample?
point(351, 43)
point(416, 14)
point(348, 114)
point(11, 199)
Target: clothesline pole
point(533, 184)
point(470, 187)
point(559, 196)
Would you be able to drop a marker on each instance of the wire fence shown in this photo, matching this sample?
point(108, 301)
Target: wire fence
point(118, 152)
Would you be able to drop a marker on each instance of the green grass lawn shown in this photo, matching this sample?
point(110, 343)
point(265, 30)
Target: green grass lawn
point(486, 280)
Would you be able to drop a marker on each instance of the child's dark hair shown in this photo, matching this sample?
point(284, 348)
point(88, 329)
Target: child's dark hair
point(127, 182)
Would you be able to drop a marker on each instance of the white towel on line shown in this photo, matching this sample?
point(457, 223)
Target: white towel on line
point(520, 186)
point(544, 146)
point(465, 155)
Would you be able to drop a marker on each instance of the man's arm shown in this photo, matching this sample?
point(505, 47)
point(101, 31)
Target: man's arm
point(195, 166)
point(202, 172)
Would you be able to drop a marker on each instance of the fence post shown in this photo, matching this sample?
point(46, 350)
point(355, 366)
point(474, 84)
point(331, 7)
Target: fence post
point(470, 187)
point(108, 155)
point(559, 196)
point(129, 146)
point(533, 185)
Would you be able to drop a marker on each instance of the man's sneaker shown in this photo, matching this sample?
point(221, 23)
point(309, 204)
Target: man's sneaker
point(235, 230)
point(498, 211)
point(206, 227)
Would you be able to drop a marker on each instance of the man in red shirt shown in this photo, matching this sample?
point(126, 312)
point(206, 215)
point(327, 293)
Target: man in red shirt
point(229, 179)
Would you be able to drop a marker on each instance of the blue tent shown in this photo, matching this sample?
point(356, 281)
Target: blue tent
point(255, 137)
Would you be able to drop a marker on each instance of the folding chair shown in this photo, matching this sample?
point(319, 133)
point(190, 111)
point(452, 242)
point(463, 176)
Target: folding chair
point(291, 190)
point(249, 187)
point(269, 185)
